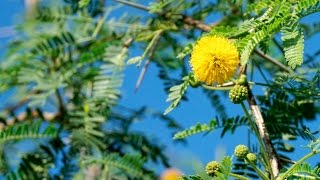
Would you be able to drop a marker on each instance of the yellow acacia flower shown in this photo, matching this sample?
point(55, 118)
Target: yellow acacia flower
point(214, 59)
point(170, 174)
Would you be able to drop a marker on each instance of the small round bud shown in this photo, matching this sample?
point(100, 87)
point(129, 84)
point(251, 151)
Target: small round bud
point(242, 80)
point(252, 157)
point(238, 93)
point(212, 168)
point(241, 151)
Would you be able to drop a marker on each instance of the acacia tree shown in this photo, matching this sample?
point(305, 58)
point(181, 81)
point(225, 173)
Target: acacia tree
point(71, 55)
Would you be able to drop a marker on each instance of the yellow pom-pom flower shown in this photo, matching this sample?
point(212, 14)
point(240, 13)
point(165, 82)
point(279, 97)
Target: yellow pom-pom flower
point(170, 174)
point(214, 59)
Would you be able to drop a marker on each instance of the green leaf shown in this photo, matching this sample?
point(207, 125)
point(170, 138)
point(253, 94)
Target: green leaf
point(198, 128)
point(176, 93)
point(304, 171)
point(134, 60)
point(293, 43)
point(132, 164)
point(251, 43)
point(187, 50)
point(225, 168)
point(306, 7)
point(27, 131)
point(83, 3)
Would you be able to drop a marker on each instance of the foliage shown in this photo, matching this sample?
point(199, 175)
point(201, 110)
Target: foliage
point(67, 59)
point(64, 70)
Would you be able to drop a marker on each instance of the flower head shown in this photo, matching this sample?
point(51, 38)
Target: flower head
point(212, 168)
point(252, 157)
point(171, 174)
point(238, 93)
point(214, 59)
point(241, 151)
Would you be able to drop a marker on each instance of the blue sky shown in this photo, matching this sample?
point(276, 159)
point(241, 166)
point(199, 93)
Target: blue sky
point(151, 94)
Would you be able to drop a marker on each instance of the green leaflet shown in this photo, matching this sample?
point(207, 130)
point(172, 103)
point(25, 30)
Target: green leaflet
point(227, 124)
point(306, 7)
point(293, 42)
point(198, 128)
point(226, 166)
point(27, 131)
point(131, 164)
point(251, 44)
point(305, 169)
point(177, 92)
point(83, 3)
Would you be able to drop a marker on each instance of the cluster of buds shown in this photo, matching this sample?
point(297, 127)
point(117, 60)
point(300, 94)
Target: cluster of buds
point(242, 152)
point(240, 91)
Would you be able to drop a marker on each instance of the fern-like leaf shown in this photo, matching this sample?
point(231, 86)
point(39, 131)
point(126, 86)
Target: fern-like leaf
point(177, 92)
point(293, 39)
point(83, 3)
point(251, 44)
point(198, 128)
point(27, 131)
point(131, 164)
point(306, 7)
point(305, 171)
point(225, 168)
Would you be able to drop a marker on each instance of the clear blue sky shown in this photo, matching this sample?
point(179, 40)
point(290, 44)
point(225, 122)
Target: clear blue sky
point(151, 94)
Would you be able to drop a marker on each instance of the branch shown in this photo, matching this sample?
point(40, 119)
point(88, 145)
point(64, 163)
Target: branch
point(186, 19)
point(273, 61)
point(133, 4)
point(274, 161)
point(146, 65)
point(21, 102)
point(196, 23)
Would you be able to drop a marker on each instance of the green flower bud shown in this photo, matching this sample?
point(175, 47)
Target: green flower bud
point(252, 157)
point(238, 93)
point(241, 151)
point(212, 168)
point(242, 80)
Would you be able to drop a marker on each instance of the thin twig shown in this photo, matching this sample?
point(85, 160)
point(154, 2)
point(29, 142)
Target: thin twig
point(186, 19)
point(21, 102)
point(60, 102)
point(278, 45)
point(273, 61)
point(99, 24)
point(260, 173)
point(196, 23)
point(133, 4)
point(240, 177)
point(146, 65)
point(217, 88)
